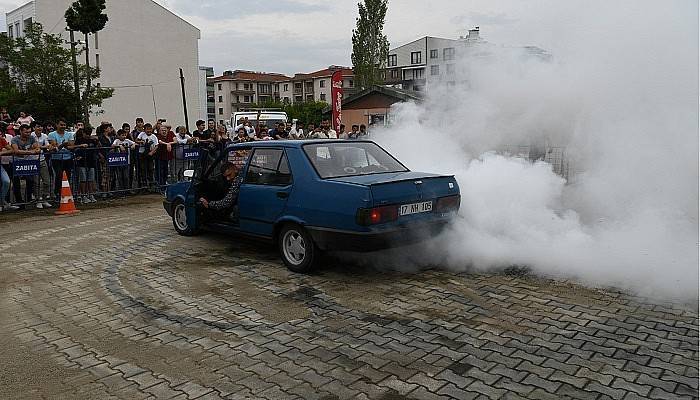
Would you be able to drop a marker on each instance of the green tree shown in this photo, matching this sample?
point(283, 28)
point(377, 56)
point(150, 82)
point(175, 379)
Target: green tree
point(86, 16)
point(370, 47)
point(37, 76)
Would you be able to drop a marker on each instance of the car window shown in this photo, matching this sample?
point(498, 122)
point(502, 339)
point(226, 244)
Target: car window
point(341, 159)
point(269, 167)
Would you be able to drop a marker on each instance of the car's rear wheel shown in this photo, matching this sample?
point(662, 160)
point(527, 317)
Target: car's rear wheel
point(297, 249)
point(180, 219)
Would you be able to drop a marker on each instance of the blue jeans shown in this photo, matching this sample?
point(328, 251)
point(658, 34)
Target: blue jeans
point(4, 185)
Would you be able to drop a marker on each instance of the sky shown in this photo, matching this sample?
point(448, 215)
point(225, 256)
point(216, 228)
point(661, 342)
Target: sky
point(289, 36)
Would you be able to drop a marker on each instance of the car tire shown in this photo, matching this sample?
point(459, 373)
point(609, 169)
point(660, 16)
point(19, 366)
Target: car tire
point(179, 216)
point(297, 249)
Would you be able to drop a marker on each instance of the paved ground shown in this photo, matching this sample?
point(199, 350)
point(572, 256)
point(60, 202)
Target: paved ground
point(113, 304)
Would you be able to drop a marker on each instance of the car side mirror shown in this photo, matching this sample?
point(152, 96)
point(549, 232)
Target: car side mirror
point(189, 173)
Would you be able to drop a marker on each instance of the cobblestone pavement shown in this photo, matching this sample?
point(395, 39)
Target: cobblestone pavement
point(114, 304)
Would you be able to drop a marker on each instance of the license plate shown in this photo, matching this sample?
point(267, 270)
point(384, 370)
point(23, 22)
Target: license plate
point(415, 208)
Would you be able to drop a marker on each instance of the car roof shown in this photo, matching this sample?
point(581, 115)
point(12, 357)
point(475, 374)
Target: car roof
point(290, 143)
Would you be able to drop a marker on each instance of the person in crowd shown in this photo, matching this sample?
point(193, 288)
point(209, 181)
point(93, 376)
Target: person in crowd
point(327, 130)
point(232, 174)
point(296, 132)
point(5, 153)
point(5, 116)
point(318, 133)
point(78, 125)
point(24, 146)
point(341, 132)
point(310, 129)
point(138, 129)
point(166, 139)
point(62, 143)
point(122, 144)
point(148, 146)
point(263, 134)
point(42, 182)
point(201, 134)
point(279, 132)
point(211, 127)
point(241, 136)
point(24, 119)
point(354, 131)
point(221, 138)
point(363, 131)
point(184, 141)
point(86, 148)
point(105, 137)
point(249, 128)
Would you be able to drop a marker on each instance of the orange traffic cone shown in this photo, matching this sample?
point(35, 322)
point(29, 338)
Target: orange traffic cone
point(67, 205)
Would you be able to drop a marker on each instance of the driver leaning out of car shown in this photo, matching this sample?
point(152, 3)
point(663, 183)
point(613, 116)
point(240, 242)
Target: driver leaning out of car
point(232, 174)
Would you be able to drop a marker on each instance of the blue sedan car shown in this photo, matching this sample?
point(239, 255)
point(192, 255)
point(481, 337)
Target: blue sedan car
point(316, 195)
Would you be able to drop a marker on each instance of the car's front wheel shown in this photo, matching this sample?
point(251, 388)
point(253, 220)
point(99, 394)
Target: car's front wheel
point(297, 249)
point(180, 219)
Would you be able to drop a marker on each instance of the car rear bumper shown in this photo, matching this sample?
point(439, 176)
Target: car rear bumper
point(168, 207)
point(333, 239)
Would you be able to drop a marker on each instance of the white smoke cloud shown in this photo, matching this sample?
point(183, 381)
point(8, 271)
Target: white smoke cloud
point(623, 100)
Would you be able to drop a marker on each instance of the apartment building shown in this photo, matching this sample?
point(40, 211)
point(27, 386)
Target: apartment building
point(207, 106)
point(316, 86)
point(239, 89)
point(139, 53)
point(427, 60)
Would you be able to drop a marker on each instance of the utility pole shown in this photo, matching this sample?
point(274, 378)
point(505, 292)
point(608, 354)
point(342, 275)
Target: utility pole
point(76, 82)
point(184, 100)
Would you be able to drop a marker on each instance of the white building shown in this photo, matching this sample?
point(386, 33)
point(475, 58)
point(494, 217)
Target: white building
point(206, 94)
point(427, 60)
point(139, 52)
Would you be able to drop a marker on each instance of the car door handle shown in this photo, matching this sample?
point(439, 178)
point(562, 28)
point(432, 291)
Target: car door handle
point(282, 195)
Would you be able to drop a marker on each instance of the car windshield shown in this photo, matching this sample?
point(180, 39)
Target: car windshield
point(339, 159)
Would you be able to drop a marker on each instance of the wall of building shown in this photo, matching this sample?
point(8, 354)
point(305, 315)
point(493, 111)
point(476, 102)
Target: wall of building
point(140, 52)
point(361, 116)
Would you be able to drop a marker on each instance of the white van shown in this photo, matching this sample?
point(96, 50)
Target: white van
point(269, 118)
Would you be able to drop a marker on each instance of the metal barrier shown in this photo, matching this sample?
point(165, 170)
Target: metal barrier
point(94, 172)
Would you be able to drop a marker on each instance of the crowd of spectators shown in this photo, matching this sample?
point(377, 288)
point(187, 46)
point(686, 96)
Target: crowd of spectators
point(153, 154)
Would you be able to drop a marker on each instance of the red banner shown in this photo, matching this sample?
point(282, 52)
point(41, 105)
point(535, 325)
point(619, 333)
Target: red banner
point(337, 98)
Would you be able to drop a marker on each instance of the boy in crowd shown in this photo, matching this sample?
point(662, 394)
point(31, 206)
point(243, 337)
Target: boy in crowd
point(123, 144)
point(148, 146)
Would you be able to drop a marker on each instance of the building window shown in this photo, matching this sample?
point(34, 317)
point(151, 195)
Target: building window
point(221, 99)
point(97, 41)
point(246, 86)
point(218, 87)
point(322, 83)
point(448, 53)
point(246, 99)
point(285, 87)
point(286, 100)
point(221, 111)
point(434, 70)
point(416, 57)
point(221, 122)
point(97, 61)
point(238, 99)
point(352, 84)
point(236, 85)
point(434, 53)
point(450, 69)
point(322, 96)
point(17, 31)
point(394, 73)
point(392, 60)
point(418, 73)
point(310, 97)
point(9, 32)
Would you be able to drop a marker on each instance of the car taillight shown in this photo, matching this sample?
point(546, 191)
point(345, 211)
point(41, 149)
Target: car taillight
point(377, 215)
point(447, 204)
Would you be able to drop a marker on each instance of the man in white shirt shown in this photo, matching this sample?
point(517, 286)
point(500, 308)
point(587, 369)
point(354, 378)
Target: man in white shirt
point(326, 128)
point(184, 141)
